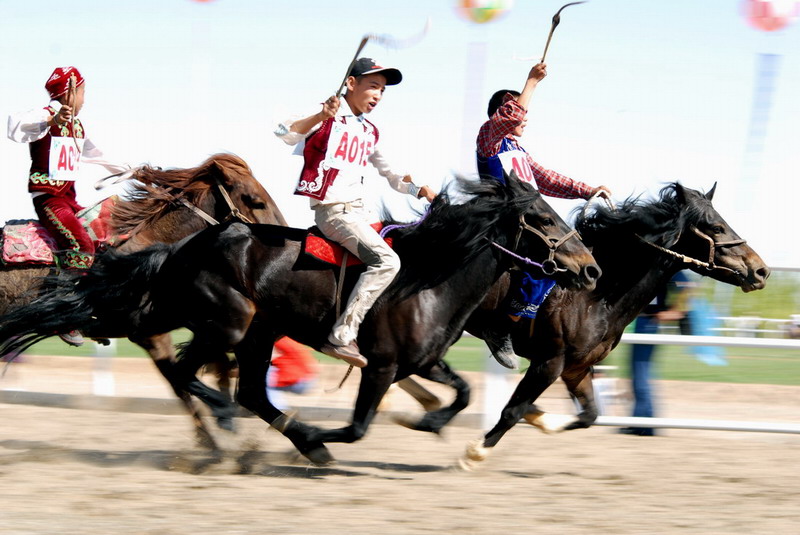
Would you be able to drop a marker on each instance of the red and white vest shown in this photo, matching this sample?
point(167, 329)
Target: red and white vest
point(55, 159)
point(342, 145)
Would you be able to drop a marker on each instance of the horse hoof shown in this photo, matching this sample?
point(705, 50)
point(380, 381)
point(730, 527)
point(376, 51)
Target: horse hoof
point(465, 464)
point(205, 440)
point(476, 451)
point(405, 421)
point(320, 456)
point(228, 424)
point(548, 423)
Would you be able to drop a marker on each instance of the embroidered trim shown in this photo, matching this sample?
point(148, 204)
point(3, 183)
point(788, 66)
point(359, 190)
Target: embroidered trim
point(78, 259)
point(64, 231)
point(43, 179)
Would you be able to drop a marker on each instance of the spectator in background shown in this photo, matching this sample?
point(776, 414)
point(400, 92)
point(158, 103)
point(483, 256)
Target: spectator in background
point(293, 369)
point(670, 304)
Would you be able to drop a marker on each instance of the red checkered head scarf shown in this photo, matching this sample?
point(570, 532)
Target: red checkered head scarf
point(58, 83)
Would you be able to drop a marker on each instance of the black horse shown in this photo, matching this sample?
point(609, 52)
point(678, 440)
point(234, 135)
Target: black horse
point(240, 287)
point(639, 246)
point(164, 206)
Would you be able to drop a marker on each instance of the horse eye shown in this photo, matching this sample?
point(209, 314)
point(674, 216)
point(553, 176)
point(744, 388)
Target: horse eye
point(718, 229)
point(548, 222)
point(254, 202)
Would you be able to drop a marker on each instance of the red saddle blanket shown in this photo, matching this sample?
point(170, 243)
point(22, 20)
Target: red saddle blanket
point(26, 241)
point(331, 252)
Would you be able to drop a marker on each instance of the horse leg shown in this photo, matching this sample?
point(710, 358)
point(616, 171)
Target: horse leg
point(161, 351)
point(200, 350)
point(435, 420)
point(582, 389)
point(375, 382)
point(252, 395)
point(429, 401)
point(533, 383)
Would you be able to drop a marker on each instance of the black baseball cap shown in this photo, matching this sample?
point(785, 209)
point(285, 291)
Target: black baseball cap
point(364, 66)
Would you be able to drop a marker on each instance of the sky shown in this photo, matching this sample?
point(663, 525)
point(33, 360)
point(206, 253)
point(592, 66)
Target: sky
point(638, 93)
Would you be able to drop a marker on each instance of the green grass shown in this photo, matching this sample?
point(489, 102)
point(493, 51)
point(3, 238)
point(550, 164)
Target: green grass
point(745, 365)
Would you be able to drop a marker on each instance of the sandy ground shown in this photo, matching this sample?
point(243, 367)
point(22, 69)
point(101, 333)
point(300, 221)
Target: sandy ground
point(79, 471)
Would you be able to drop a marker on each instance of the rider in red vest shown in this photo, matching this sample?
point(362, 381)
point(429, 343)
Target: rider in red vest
point(339, 143)
point(58, 144)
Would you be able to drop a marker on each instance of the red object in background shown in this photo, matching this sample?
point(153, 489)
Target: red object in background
point(770, 15)
point(293, 362)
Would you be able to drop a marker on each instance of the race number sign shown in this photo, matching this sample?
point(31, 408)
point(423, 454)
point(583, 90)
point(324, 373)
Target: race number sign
point(65, 158)
point(517, 161)
point(349, 146)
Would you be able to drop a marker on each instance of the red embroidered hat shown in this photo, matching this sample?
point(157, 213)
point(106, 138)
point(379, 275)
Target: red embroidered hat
point(58, 83)
point(368, 66)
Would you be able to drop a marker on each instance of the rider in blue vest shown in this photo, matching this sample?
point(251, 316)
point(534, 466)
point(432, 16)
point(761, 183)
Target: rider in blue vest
point(499, 153)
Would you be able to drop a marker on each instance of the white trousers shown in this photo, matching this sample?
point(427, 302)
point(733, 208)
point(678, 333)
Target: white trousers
point(349, 225)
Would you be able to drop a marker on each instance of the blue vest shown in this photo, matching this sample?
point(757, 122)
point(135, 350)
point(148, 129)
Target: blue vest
point(492, 165)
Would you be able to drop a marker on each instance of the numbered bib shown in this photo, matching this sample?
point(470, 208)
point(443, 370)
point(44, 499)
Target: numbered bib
point(65, 158)
point(349, 146)
point(517, 161)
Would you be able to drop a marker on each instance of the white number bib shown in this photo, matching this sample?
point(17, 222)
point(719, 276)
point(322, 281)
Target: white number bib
point(517, 161)
point(65, 158)
point(349, 146)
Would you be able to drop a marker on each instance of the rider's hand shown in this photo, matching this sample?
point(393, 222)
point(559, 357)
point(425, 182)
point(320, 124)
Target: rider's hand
point(426, 193)
point(329, 108)
point(64, 115)
point(538, 72)
point(601, 191)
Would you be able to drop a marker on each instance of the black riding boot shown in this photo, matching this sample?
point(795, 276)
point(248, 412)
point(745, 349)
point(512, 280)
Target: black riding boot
point(497, 336)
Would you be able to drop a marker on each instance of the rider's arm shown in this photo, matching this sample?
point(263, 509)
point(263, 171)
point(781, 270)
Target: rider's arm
point(507, 117)
point(93, 155)
point(401, 183)
point(294, 130)
point(29, 126)
point(557, 185)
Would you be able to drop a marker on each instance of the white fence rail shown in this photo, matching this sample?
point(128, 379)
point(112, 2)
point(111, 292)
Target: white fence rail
point(498, 392)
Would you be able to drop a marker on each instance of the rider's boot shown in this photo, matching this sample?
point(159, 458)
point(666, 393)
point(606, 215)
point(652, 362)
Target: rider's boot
point(498, 338)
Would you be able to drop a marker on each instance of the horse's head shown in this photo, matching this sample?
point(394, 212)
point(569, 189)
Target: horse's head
point(543, 237)
point(706, 237)
point(247, 196)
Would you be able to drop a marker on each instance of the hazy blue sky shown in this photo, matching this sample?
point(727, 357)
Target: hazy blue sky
point(638, 92)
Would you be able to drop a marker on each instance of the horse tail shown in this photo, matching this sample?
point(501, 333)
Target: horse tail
point(110, 293)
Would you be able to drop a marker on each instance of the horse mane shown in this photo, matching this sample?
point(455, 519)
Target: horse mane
point(661, 220)
point(154, 190)
point(451, 235)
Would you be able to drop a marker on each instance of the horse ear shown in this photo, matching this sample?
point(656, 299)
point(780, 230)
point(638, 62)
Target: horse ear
point(710, 194)
point(680, 193)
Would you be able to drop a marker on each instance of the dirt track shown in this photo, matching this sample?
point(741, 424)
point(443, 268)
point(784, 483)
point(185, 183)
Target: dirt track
point(93, 472)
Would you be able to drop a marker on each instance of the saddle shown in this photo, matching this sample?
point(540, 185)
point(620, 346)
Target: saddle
point(321, 248)
point(26, 241)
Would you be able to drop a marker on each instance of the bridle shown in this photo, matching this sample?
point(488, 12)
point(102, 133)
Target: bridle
point(549, 267)
point(712, 249)
point(235, 213)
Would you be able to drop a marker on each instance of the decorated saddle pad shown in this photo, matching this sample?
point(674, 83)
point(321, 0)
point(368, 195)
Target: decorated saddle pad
point(330, 252)
point(26, 241)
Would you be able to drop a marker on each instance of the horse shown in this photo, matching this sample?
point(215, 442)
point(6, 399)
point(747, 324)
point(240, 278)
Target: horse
point(239, 287)
point(164, 206)
point(639, 245)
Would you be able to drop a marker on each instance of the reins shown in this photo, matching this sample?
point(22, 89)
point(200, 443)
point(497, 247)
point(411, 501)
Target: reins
point(549, 267)
point(712, 245)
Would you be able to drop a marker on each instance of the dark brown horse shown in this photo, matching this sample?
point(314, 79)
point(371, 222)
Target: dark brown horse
point(165, 206)
point(240, 287)
point(639, 246)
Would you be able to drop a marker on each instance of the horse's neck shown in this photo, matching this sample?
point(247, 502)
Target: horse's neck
point(170, 227)
point(631, 281)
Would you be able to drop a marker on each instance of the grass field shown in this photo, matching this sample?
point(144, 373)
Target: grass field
point(764, 366)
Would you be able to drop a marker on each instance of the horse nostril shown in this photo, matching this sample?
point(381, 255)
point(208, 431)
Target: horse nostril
point(763, 273)
point(592, 272)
